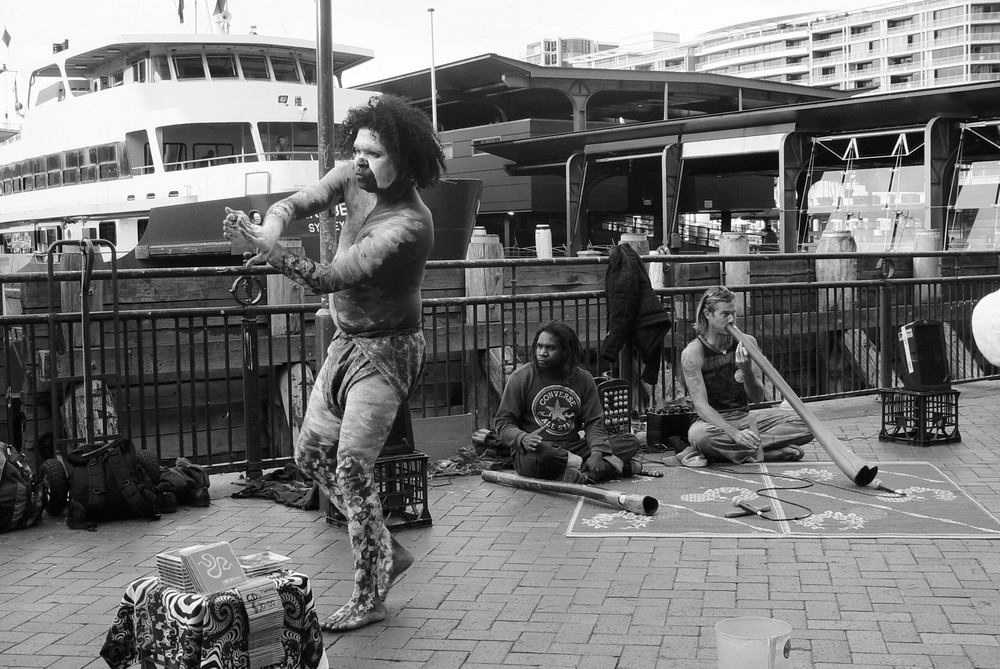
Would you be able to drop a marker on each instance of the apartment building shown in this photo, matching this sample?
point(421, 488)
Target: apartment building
point(885, 48)
point(554, 52)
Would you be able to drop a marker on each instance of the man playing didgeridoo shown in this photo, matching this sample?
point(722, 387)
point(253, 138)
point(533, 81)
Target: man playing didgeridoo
point(548, 404)
point(377, 352)
point(722, 381)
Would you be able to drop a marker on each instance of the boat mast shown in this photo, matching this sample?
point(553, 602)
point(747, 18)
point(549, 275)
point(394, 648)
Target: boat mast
point(327, 156)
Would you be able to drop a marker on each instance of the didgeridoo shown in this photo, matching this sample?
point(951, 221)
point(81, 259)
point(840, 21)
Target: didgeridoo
point(854, 467)
point(642, 505)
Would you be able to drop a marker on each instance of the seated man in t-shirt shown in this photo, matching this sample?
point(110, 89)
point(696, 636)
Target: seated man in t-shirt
point(721, 381)
point(552, 420)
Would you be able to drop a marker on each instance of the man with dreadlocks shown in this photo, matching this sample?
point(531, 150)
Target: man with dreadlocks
point(547, 404)
point(377, 353)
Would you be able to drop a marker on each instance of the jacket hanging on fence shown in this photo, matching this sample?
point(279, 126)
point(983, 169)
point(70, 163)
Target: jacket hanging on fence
point(635, 313)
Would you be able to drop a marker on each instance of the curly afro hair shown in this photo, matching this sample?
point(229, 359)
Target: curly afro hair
point(405, 132)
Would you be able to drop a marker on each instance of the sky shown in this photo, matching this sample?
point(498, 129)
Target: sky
point(398, 31)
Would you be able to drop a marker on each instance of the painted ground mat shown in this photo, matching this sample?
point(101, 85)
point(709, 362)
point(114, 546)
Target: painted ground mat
point(805, 499)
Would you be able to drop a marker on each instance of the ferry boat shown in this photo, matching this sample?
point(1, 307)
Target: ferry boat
point(142, 140)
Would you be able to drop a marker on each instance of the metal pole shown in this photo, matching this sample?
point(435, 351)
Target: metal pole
point(434, 105)
point(327, 157)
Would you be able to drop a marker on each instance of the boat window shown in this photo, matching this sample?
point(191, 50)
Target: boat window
point(254, 67)
point(38, 167)
point(139, 72)
point(189, 67)
point(72, 160)
point(300, 140)
point(212, 154)
point(221, 66)
point(174, 154)
point(107, 156)
point(46, 237)
point(118, 78)
point(161, 68)
point(308, 71)
point(16, 181)
point(27, 178)
point(141, 225)
point(284, 69)
point(106, 230)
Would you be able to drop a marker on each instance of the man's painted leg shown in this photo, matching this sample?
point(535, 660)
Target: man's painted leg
point(363, 523)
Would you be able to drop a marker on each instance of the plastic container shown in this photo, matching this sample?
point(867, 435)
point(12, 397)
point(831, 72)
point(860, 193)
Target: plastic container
point(753, 643)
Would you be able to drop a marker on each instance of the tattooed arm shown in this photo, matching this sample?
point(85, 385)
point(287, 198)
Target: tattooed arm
point(692, 359)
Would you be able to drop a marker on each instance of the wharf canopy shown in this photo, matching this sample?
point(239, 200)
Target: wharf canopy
point(685, 156)
point(917, 170)
point(491, 99)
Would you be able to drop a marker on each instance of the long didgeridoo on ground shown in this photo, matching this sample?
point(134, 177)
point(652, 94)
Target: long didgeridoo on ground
point(856, 469)
point(642, 505)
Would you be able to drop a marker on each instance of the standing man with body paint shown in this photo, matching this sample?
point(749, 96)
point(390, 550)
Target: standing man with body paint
point(377, 353)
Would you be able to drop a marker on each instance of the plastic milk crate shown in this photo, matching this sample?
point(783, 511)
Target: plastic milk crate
point(919, 417)
point(402, 487)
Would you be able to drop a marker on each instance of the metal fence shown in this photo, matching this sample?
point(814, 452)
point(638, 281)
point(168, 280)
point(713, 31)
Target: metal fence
point(223, 383)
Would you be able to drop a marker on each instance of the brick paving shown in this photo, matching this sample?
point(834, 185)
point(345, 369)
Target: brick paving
point(498, 584)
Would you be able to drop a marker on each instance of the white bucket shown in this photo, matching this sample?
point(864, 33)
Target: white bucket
point(753, 643)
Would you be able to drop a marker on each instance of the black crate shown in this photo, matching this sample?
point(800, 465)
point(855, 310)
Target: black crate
point(920, 417)
point(402, 487)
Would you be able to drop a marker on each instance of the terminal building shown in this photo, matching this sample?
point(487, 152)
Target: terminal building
point(887, 48)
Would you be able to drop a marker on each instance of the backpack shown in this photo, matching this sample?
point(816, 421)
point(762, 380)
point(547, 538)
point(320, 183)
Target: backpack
point(107, 482)
point(22, 496)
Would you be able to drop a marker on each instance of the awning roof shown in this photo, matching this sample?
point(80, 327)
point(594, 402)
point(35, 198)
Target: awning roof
point(522, 90)
point(858, 114)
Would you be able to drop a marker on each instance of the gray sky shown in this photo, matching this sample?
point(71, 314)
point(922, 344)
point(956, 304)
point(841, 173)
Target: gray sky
point(398, 31)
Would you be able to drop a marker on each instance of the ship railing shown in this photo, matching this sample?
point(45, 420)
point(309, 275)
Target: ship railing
point(203, 377)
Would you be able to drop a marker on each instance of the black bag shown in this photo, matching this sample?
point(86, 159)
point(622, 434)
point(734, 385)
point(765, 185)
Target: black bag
point(22, 496)
point(107, 482)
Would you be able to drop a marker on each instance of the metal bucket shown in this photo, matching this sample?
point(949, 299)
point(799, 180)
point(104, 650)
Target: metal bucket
point(753, 643)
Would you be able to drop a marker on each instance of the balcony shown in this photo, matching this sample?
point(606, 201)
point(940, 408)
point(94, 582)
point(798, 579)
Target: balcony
point(904, 67)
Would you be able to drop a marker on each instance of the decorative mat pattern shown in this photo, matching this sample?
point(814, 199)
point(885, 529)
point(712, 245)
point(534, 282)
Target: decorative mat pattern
point(807, 499)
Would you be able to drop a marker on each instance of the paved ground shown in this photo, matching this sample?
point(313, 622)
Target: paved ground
point(498, 584)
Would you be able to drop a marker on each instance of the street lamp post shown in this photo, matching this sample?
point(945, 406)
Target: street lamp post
point(434, 104)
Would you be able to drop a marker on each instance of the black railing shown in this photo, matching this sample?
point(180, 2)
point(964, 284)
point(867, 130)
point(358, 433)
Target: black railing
point(224, 383)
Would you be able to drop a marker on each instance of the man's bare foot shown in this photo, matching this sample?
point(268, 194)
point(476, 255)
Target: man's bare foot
point(352, 616)
point(391, 567)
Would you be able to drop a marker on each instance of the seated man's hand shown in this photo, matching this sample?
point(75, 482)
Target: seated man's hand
point(597, 468)
point(531, 440)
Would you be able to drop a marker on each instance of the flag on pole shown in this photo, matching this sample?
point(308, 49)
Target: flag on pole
point(180, 10)
point(6, 38)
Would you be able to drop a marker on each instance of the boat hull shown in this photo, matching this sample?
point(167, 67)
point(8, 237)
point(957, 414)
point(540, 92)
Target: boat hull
point(181, 234)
